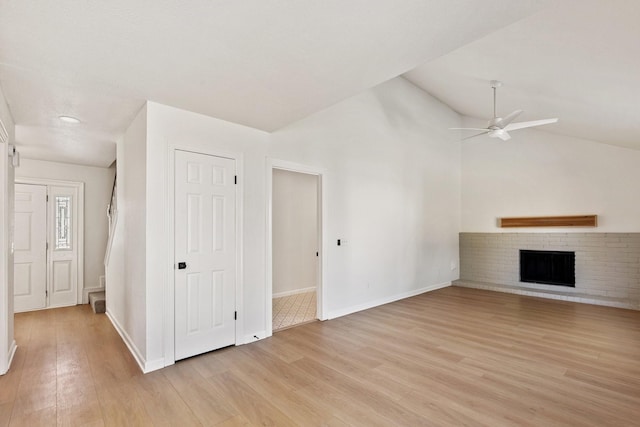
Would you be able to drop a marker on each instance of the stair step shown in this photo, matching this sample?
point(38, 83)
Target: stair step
point(98, 301)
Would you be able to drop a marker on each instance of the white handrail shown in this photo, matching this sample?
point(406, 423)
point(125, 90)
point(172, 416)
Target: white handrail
point(113, 221)
point(112, 216)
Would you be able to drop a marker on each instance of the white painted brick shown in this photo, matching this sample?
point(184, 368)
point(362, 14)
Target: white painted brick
point(607, 264)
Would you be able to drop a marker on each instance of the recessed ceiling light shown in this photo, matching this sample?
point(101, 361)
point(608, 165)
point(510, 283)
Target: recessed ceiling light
point(69, 119)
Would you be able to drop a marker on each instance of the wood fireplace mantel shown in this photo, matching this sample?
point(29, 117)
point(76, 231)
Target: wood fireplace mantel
point(550, 221)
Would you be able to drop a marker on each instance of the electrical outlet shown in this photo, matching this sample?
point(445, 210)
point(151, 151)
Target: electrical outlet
point(453, 265)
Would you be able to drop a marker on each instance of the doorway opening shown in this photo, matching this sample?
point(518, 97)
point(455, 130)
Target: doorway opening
point(295, 247)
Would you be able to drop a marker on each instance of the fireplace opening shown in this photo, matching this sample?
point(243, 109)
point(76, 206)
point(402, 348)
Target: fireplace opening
point(548, 267)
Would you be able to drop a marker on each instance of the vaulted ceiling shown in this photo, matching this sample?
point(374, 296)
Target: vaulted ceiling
point(266, 64)
point(578, 61)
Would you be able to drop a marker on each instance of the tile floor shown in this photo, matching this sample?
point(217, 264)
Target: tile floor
point(293, 310)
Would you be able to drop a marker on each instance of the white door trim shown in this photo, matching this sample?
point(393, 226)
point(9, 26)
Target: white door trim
point(7, 341)
point(169, 307)
point(78, 224)
point(322, 220)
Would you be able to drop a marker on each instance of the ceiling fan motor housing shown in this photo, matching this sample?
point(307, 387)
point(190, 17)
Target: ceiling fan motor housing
point(493, 123)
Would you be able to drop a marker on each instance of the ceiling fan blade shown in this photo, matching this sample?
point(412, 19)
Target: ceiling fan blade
point(508, 119)
point(482, 129)
point(478, 134)
point(522, 125)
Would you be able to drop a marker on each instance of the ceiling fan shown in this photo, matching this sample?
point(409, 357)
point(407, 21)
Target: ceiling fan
point(499, 127)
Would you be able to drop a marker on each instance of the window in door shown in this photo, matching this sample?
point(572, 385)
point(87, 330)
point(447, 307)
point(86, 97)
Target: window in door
point(63, 223)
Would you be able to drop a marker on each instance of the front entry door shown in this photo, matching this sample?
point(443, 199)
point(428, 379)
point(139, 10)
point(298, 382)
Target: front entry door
point(205, 253)
point(48, 237)
point(63, 246)
point(30, 247)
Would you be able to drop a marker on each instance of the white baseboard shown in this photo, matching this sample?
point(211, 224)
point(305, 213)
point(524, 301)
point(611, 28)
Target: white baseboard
point(355, 308)
point(87, 291)
point(248, 339)
point(154, 365)
point(145, 366)
point(12, 352)
point(294, 292)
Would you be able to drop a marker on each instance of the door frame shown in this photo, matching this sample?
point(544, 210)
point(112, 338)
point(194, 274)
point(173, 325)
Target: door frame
point(321, 174)
point(7, 339)
point(78, 225)
point(169, 306)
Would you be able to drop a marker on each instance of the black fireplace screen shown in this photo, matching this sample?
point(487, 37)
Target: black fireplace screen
point(549, 267)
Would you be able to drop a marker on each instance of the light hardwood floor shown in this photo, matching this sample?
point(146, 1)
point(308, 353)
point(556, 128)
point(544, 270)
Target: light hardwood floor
point(454, 357)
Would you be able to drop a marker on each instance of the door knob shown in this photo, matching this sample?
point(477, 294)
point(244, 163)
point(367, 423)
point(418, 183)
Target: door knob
point(182, 265)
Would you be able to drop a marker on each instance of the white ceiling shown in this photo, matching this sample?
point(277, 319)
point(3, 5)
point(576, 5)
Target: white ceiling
point(260, 63)
point(266, 64)
point(576, 60)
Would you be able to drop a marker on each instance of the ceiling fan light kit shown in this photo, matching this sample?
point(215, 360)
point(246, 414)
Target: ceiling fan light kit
point(69, 119)
point(499, 127)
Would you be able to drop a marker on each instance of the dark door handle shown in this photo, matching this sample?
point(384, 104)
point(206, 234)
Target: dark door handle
point(182, 265)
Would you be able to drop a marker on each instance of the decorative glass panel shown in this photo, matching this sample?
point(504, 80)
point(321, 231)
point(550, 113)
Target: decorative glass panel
point(63, 222)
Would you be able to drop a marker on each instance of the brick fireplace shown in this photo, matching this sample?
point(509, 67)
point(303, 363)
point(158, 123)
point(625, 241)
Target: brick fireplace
point(607, 265)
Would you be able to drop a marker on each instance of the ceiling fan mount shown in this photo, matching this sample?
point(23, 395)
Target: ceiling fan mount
point(499, 127)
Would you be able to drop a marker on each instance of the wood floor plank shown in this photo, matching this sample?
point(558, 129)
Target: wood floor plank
point(5, 413)
point(299, 410)
point(85, 415)
point(42, 417)
point(207, 404)
point(376, 401)
point(75, 389)
point(121, 406)
point(279, 348)
point(330, 400)
point(236, 421)
point(10, 382)
point(37, 391)
point(257, 359)
point(255, 407)
point(162, 402)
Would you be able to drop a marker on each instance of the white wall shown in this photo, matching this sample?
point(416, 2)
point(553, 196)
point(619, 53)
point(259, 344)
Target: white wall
point(172, 127)
point(393, 192)
point(537, 173)
point(127, 276)
point(7, 343)
point(97, 192)
point(295, 231)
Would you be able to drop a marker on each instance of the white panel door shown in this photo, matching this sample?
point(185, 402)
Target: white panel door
point(30, 253)
point(63, 246)
point(205, 253)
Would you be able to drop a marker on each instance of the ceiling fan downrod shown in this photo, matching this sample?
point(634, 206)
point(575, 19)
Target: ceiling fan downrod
point(495, 84)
